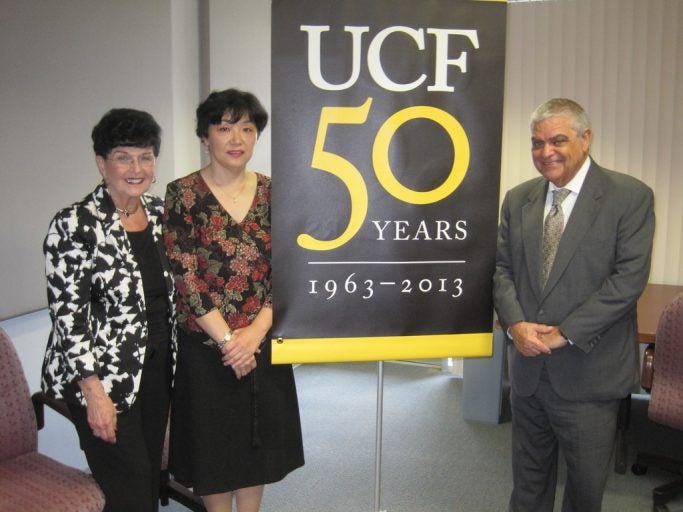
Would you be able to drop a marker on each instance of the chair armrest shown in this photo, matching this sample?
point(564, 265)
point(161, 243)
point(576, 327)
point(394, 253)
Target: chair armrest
point(40, 399)
point(172, 489)
point(648, 368)
point(184, 496)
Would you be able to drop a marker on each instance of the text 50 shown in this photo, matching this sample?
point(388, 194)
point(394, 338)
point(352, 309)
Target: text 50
point(353, 179)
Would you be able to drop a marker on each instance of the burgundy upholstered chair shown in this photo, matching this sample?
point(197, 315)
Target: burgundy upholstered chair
point(666, 400)
point(31, 481)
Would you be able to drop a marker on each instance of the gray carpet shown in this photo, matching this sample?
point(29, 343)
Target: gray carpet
point(432, 460)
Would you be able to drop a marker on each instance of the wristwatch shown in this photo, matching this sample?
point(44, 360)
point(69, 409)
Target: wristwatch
point(226, 338)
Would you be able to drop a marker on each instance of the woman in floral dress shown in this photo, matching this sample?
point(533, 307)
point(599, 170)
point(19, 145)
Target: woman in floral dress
point(234, 417)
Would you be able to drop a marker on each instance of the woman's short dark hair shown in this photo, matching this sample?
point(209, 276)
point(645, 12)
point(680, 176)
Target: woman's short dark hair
point(125, 127)
point(234, 103)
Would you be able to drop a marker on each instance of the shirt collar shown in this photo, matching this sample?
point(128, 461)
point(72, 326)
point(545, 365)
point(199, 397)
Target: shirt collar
point(577, 181)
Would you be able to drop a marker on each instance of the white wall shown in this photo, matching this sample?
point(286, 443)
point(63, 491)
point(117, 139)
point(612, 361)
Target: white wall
point(63, 65)
point(185, 86)
point(239, 54)
point(623, 61)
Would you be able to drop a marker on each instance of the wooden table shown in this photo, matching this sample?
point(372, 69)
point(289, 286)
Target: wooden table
point(650, 306)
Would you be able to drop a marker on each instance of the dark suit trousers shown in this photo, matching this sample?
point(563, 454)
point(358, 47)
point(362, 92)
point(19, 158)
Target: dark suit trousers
point(585, 434)
point(128, 472)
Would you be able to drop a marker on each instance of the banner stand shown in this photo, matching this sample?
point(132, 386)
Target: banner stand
point(378, 435)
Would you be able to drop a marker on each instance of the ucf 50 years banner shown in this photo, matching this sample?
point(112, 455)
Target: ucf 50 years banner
point(386, 129)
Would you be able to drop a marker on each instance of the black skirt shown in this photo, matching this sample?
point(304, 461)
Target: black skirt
point(229, 433)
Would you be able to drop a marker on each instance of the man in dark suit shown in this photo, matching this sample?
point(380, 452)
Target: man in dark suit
point(569, 309)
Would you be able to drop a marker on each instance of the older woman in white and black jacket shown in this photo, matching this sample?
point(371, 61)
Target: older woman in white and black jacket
point(111, 351)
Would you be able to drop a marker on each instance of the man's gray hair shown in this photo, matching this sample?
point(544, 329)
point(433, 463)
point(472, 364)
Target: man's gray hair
point(562, 107)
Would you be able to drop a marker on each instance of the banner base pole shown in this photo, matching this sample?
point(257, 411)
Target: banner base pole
point(378, 435)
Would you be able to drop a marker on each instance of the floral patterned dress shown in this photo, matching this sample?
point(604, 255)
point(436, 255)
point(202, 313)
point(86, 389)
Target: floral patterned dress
point(226, 433)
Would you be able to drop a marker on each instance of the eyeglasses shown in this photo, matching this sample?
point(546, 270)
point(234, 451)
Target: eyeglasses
point(146, 160)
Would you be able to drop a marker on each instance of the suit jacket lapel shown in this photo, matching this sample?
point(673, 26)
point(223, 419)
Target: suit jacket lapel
point(111, 226)
point(583, 214)
point(532, 232)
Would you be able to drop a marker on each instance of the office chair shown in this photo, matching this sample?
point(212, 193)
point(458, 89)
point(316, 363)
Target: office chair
point(666, 400)
point(31, 481)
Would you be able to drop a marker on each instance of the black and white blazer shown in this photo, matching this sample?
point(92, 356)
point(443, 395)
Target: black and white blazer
point(96, 300)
